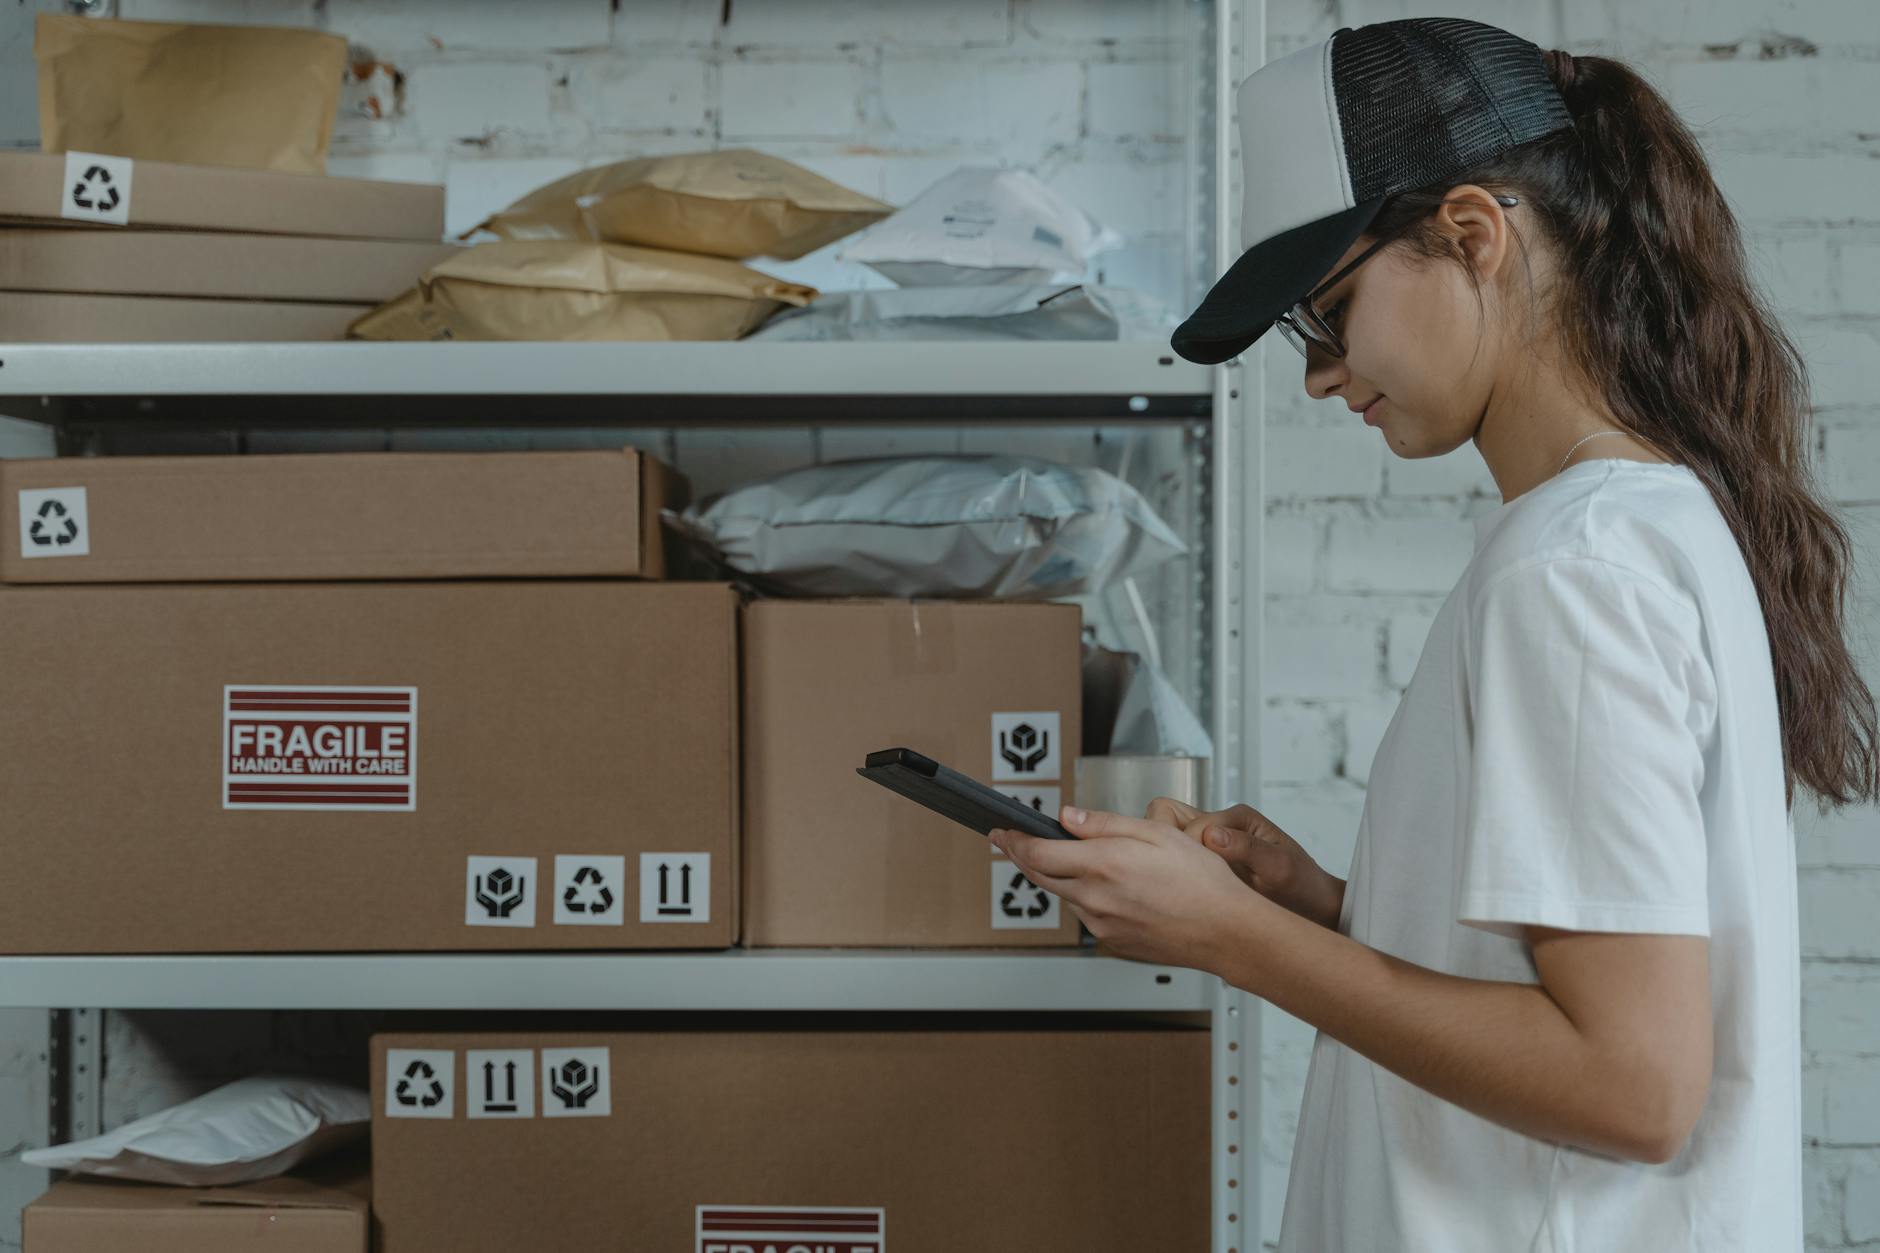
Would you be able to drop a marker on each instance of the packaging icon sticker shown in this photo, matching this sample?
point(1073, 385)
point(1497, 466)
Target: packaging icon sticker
point(319, 748)
point(1044, 800)
point(419, 1083)
point(97, 188)
point(1019, 904)
point(576, 1083)
point(1025, 747)
point(675, 887)
point(499, 892)
point(499, 1083)
point(54, 522)
point(751, 1228)
point(590, 891)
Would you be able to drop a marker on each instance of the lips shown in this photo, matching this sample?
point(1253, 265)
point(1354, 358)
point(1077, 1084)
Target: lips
point(1370, 412)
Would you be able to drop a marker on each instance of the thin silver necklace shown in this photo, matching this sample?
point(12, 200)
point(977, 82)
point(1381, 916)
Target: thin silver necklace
point(1594, 435)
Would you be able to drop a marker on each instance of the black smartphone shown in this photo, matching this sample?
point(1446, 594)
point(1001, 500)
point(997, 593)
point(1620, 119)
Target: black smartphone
point(948, 792)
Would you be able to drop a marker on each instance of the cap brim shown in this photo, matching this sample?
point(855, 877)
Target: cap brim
point(1265, 282)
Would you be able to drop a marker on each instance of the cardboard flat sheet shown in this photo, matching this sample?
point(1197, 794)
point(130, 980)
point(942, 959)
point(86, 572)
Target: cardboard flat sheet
point(390, 515)
point(63, 318)
point(841, 1136)
point(166, 195)
point(290, 1214)
point(224, 266)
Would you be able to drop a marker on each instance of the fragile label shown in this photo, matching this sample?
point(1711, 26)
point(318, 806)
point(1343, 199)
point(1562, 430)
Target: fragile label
point(419, 1082)
point(1018, 904)
point(54, 522)
point(1025, 746)
point(97, 188)
point(790, 1229)
point(320, 748)
point(576, 1083)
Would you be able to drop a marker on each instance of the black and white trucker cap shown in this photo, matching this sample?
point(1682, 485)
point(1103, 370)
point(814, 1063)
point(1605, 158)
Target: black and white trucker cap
point(1328, 132)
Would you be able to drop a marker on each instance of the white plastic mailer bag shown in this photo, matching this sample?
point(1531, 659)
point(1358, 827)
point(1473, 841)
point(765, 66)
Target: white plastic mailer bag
point(982, 224)
point(985, 526)
point(251, 1129)
point(991, 312)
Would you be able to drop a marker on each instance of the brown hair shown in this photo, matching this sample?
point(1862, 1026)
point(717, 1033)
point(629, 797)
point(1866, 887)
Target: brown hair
point(1660, 317)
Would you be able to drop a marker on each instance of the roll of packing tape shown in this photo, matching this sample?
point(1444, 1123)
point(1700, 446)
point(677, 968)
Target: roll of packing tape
point(1126, 783)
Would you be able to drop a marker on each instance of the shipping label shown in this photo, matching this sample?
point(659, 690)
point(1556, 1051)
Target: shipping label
point(319, 748)
point(790, 1229)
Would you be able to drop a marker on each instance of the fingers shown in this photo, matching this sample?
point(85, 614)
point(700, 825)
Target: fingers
point(1058, 859)
point(1095, 823)
point(1174, 812)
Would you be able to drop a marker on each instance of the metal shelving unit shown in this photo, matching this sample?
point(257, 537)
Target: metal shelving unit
point(82, 389)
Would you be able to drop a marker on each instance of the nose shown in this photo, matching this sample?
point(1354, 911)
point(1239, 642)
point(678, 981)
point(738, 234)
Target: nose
point(1325, 374)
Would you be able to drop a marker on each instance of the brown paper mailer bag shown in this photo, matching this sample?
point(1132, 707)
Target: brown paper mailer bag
point(257, 97)
point(540, 289)
point(736, 203)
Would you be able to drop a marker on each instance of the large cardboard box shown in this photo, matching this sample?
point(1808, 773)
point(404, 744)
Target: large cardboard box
point(289, 1214)
point(992, 689)
point(194, 263)
point(63, 318)
point(66, 187)
point(764, 1141)
point(368, 766)
point(389, 515)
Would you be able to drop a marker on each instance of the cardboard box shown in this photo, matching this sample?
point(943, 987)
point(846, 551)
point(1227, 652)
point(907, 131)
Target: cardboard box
point(836, 1141)
point(290, 1214)
point(193, 263)
point(60, 188)
point(385, 515)
point(292, 767)
point(59, 318)
point(991, 689)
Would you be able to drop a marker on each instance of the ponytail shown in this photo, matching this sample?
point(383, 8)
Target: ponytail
point(1661, 319)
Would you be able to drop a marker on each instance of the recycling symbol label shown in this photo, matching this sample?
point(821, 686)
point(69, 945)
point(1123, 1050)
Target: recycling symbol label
point(420, 1083)
point(97, 188)
point(1026, 747)
point(499, 892)
point(576, 1083)
point(1020, 904)
point(54, 522)
point(589, 891)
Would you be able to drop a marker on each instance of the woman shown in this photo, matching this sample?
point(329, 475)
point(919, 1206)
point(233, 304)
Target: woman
point(1557, 1000)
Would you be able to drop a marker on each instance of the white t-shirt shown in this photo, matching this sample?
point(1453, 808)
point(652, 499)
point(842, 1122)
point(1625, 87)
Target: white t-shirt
point(1590, 741)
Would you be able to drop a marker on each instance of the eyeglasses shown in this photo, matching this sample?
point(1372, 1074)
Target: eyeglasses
point(1304, 326)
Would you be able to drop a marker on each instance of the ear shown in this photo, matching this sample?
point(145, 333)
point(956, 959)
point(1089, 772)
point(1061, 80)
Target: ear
point(1477, 223)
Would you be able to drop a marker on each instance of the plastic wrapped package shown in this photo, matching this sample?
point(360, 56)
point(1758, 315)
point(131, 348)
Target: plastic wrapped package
point(994, 312)
point(250, 1129)
point(989, 526)
point(981, 225)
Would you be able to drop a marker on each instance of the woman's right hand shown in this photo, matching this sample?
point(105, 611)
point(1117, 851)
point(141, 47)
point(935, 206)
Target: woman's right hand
point(1267, 859)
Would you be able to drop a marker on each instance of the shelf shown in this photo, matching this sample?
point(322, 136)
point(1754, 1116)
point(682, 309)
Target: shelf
point(200, 385)
point(737, 979)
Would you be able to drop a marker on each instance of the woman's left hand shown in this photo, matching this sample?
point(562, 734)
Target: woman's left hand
point(1145, 889)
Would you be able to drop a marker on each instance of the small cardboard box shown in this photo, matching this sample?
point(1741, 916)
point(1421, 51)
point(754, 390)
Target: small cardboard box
point(397, 767)
point(993, 690)
point(194, 263)
point(387, 515)
point(64, 318)
point(73, 187)
point(764, 1141)
point(289, 1214)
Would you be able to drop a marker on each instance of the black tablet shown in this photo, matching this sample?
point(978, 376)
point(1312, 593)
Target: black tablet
point(948, 792)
